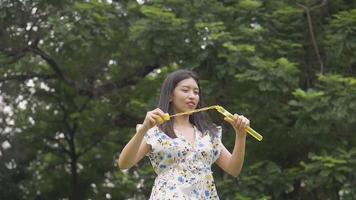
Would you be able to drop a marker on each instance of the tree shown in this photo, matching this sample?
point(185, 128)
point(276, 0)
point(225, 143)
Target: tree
point(77, 76)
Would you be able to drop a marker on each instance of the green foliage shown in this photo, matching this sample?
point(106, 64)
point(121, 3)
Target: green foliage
point(249, 4)
point(264, 180)
point(320, 177)
point(332, 101)
point(340, 41)
point(79, 75)
point(333, 171)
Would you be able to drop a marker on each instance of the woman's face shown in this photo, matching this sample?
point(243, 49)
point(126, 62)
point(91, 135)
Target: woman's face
point(185, 96)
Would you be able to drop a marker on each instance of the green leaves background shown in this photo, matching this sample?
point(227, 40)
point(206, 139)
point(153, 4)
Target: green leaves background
point(77, 76)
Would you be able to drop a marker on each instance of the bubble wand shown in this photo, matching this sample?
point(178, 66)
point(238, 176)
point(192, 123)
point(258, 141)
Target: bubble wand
point(221, 110)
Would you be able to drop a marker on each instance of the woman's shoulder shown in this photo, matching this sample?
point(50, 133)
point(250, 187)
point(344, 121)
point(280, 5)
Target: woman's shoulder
point(154, 131)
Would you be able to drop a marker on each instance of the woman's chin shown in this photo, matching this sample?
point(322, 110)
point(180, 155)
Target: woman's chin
point(189, 108)
point(185, 109)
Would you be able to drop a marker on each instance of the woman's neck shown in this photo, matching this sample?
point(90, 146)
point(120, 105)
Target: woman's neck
point(182, 121)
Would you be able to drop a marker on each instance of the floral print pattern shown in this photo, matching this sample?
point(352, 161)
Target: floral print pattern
point(183, 169)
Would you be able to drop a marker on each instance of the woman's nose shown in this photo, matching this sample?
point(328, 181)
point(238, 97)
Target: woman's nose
point(191, 95)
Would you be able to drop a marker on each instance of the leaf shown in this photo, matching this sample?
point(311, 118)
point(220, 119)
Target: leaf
point(249, 4)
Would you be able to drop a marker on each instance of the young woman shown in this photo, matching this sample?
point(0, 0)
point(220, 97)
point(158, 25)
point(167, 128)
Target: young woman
point(183, 149)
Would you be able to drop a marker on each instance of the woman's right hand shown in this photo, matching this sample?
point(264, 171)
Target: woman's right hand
point(153, 118)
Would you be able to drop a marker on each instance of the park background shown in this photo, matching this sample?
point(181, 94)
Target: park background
point(77, 76)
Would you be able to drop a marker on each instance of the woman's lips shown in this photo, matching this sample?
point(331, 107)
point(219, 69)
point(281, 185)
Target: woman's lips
point(191, 104)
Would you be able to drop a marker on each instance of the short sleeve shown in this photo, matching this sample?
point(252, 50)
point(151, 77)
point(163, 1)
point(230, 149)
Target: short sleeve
point(217, 143)
point(150, 136)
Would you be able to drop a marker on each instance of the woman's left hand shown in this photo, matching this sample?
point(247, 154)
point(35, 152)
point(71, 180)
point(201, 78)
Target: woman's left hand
point(239, 123)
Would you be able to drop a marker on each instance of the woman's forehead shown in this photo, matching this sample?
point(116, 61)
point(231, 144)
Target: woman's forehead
point(189, 82)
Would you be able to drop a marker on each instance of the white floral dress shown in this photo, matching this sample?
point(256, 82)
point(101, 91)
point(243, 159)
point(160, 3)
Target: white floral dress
point(183, 169)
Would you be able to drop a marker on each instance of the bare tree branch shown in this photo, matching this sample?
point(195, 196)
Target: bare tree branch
point(320, 5)
point(307, 10)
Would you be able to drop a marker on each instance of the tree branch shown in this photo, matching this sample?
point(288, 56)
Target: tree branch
point(122, 83)
point(311, 31)
point(320, 5)
point(98, 91)
point(90, 146)
point(64, 149)
point(53, 64)
point(24, 77)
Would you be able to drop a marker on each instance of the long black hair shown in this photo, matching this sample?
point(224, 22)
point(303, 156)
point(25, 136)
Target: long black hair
point(200, 119)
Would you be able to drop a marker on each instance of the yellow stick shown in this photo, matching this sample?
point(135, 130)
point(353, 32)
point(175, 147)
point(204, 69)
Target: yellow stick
point(221, 110)
point(248, 129)
point(193, 111)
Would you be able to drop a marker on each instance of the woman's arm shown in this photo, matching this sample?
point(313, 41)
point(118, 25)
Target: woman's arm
point(232, 163)
point(134, 150)
point(137, 148)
